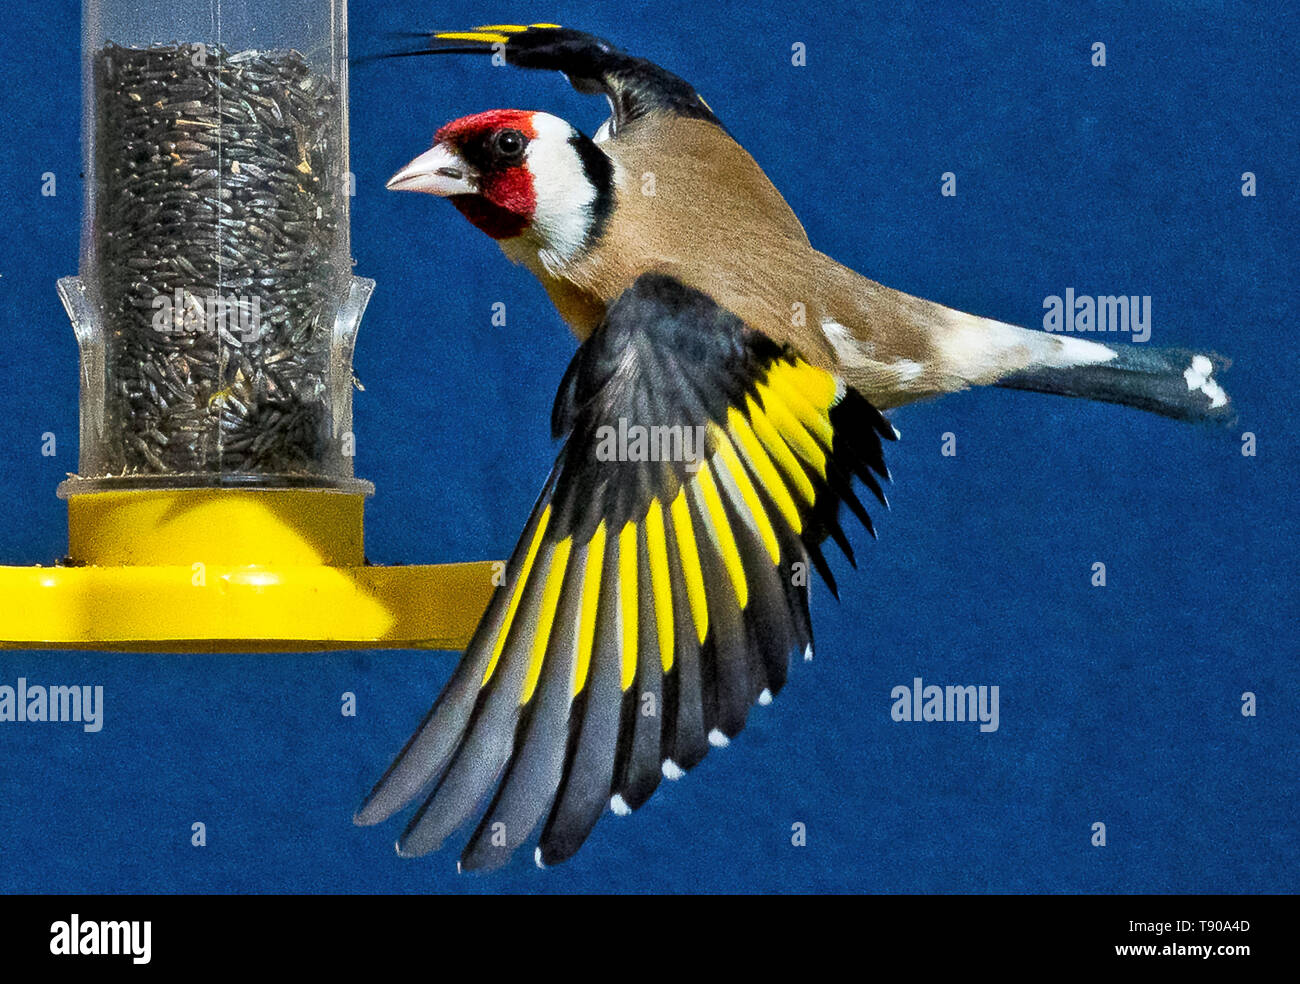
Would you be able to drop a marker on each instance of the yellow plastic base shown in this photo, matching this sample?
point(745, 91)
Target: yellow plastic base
point(233, 570)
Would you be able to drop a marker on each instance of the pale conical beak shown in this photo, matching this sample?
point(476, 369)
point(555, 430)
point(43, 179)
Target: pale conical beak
point(438, 171)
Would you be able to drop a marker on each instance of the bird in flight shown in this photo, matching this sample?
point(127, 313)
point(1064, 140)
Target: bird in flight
point(724, 398)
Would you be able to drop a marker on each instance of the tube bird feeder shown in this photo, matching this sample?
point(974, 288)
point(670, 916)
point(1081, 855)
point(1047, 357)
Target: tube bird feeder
point(215, 309)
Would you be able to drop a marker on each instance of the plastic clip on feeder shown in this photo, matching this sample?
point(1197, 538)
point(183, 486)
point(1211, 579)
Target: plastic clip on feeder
point(216, 312)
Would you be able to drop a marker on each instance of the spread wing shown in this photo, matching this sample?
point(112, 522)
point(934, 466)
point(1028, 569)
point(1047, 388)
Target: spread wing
point(635, 87)
point(658, 589)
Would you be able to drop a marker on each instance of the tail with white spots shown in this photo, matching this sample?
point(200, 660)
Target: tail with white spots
point(1172, 382)
point(895, 348)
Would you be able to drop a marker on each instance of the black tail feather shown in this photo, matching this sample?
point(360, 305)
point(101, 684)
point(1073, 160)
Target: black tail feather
point(1172, 382)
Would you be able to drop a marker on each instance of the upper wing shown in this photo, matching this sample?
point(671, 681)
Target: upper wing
point(659, 587)
point(634, 86)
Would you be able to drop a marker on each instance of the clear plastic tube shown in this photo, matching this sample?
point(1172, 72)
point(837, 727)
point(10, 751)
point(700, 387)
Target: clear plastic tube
point(215, 307)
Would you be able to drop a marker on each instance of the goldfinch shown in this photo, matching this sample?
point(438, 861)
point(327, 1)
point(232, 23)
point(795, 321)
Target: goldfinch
point(724, 397)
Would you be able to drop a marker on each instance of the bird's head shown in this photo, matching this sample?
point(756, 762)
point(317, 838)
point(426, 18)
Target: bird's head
point(518, 175)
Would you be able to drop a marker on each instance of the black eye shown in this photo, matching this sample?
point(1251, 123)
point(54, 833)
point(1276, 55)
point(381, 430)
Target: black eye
point(508, 144)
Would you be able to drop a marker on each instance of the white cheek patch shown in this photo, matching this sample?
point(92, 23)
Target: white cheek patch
point(562, 217)
point(1198, 378)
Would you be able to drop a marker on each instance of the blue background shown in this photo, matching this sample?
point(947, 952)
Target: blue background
point(1119, 705)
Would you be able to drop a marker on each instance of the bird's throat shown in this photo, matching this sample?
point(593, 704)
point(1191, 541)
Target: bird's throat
point(497, 222)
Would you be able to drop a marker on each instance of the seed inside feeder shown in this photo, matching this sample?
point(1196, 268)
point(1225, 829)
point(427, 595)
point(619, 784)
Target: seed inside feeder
point(217, 179)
